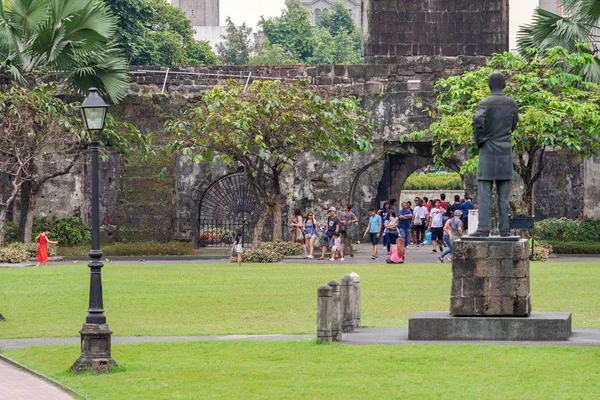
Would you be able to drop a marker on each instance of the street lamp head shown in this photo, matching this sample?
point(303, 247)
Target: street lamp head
point(93, 111)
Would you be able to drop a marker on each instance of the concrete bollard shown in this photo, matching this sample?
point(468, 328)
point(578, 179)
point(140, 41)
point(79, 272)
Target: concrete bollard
point(336, 311)
point(356, 299)
point(324, 308)
point(347, 297)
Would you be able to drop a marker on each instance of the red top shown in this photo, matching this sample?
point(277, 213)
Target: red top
point(427, 206)
point(43, 239)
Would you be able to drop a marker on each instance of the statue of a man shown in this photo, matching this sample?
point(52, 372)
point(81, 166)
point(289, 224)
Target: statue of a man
point(494, 121)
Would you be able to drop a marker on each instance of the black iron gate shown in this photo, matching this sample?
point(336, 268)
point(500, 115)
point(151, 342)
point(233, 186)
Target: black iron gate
point(231, 203)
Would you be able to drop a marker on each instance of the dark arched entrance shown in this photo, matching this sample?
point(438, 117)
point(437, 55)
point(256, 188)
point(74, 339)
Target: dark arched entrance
point(230, 203)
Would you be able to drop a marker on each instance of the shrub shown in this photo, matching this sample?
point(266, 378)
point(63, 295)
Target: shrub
point(434, 181)
point(285, 248)
point(13, 255)
point(11, 232)
point(215, 235)
point(541, 251)
point(69, 231)
point(31, 248)
point(270, 252)
point(568, 230)
point(172, 248)
point(575, 247)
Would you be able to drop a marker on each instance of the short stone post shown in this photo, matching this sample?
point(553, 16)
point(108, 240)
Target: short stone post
point(336, 311)
point(356, 298)
point(347, 294)
point(324, 309)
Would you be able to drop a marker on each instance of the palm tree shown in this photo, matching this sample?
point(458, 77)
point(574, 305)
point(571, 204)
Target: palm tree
point(72, 39)
point(581, 24)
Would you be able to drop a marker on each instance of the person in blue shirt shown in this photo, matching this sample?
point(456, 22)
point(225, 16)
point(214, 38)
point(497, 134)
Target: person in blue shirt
point(405, 217)
point(374, 229)
point(465, 207)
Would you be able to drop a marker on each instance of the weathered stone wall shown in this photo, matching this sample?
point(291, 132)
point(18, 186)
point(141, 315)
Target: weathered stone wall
point(137, 205)
point(591, 194)
point(396, 29)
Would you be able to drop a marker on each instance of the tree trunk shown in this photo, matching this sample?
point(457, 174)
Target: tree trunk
point(23, 210)
point(526, 198)
point(3, 212)
point(260, 226)
point(277, 218)
point(28, 226)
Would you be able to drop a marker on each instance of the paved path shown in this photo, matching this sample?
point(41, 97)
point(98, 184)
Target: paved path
point(16, 384)
point(390, 336)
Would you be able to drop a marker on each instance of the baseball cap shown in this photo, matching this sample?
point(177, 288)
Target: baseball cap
point(457, 213)
point(331, 209)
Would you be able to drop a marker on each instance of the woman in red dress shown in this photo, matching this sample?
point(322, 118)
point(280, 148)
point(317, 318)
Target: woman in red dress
point(43, 241)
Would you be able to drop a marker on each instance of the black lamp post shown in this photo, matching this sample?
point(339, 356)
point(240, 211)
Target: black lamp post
point(95, 335)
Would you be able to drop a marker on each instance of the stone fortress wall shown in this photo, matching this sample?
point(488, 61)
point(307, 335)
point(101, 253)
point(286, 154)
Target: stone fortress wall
point(136, 205)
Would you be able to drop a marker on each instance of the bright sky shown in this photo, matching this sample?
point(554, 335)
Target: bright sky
point(249, 11)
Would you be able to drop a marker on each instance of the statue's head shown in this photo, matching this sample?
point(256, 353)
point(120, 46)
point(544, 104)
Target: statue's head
point(497, 81)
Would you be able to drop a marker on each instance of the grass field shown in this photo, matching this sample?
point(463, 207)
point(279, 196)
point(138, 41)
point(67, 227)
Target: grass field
point(305, 370)
point(151, 299)
point(204, 299)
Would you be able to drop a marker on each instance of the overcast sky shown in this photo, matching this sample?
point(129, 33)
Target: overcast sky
point(249, 11)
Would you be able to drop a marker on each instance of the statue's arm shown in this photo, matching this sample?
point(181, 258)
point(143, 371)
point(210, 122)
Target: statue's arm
point(479, 125)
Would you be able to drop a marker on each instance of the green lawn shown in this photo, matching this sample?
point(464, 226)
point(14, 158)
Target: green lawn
point(146, 299)
point(305, 370)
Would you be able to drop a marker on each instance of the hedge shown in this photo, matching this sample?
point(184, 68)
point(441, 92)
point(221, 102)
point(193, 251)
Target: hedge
point(560, 247)
point(434, 181)
point(568, 230)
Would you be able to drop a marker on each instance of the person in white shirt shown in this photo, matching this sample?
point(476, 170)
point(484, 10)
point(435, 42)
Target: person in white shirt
point(436, 225)
point(419, 221)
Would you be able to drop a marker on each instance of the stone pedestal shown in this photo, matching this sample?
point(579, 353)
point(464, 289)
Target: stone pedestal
point(95, 349)
point(490, 277)
point(443, 326)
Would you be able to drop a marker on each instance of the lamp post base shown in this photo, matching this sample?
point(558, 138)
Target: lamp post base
point(95, 349)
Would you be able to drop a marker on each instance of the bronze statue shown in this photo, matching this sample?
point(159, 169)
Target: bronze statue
point(494, 121)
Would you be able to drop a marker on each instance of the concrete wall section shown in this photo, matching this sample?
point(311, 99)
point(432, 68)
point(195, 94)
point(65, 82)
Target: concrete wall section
point(591, 195)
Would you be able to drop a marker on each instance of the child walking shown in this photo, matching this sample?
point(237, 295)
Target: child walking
point(337, 246)
point(237, 249)
point(42, 250)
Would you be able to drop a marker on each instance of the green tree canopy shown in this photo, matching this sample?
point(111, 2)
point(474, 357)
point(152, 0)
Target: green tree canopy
point(292, 31)
point(558, 110)
point(235, 49)
point(266, 128)
point(338, 20)
point(268, 54)
point(71, 38)
point(153, 32)
point(344, 48)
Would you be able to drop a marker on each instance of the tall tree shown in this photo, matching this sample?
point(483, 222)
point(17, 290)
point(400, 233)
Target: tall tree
point(558, 110)
point(343, 48)
point(292, 31)
point(42, 137)
point(338, 20)
point(579, 24)
point(266, 128)
point(271, 54)
point(235, 49)
point(72, 38)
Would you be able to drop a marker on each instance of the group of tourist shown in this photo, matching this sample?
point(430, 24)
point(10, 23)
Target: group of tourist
point(397, 228)
point(445, 222)
point(335, 232)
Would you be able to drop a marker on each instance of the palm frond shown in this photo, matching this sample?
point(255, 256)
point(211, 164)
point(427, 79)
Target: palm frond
point(550, 30)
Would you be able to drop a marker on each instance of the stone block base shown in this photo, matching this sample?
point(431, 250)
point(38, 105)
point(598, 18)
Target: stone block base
point(96, 352)
point(443, 326)
point(490, 278)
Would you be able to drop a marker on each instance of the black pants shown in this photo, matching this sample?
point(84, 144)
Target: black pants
point(420, 232)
